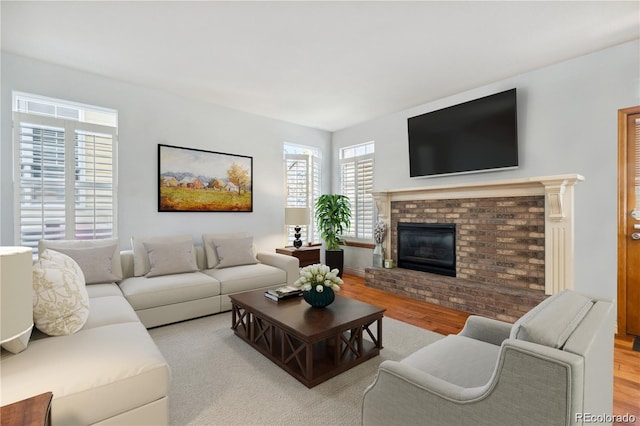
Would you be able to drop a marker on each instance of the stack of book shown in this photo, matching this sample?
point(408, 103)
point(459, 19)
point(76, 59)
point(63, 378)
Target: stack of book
point(282, 293)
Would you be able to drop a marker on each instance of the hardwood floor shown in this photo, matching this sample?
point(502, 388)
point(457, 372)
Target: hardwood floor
point(626, 375)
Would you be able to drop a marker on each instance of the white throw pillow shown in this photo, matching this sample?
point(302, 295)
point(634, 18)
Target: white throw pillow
point(210, 247)
point(99, 259)
point(141, 265)
point(60, 298)
point(235, 252)
point(170, 258)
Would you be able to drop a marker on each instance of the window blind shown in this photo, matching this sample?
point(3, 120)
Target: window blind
point(356, 180)
point(65, 179)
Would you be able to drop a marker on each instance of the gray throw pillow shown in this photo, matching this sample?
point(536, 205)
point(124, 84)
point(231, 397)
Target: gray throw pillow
point(553, 320)
point(170, 258)
point(235, 252)
point(99, 259)
point(141, 264)
point(208, 241)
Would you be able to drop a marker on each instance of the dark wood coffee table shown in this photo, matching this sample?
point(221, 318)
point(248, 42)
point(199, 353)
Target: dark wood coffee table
point(311, 344)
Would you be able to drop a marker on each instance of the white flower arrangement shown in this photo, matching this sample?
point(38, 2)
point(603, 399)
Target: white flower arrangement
point(379, 231)
point(318, 276)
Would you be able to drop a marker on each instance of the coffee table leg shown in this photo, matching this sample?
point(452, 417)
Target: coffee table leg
point(309, 360)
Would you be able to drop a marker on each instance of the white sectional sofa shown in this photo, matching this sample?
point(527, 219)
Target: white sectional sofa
point(109, 371)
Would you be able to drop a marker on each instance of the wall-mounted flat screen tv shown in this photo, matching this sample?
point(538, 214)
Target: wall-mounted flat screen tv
point(478, 135)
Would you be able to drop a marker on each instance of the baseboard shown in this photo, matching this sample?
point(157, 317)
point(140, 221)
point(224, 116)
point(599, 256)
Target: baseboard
point(636, 344)
point(353, 271)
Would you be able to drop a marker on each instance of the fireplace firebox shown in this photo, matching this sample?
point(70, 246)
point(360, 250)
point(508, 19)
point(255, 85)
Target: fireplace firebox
point(427, 247)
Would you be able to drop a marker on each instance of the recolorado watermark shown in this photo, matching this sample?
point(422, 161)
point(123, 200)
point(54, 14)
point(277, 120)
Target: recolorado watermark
point(605, 418)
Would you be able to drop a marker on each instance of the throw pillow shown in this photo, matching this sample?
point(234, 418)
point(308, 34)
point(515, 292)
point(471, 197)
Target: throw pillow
point(99, 259)
point(235, 252)
point(553, 320)
point(170, 258)
point(141, 265)
point(60, 298)
point(96, 263)
point(208, 241)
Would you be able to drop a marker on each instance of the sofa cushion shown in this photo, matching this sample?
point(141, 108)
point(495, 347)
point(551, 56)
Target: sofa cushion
point(145, 293)
point(94, 375)
point(98, 259)
point(553, 320)
point(457, 359)
point(141, 265)
point(234, 252)
point(170, 258)
point(103, 290)
point(107, 310)
point(60, 299)
point(247, 277)
point(210, 247)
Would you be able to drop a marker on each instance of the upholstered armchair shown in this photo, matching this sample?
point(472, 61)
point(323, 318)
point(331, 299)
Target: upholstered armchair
point(554, 366)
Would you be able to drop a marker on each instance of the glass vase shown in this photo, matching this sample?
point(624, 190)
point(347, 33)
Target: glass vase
point(378, 256)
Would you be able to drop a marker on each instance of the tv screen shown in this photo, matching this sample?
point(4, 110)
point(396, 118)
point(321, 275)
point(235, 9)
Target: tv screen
point(479, 135)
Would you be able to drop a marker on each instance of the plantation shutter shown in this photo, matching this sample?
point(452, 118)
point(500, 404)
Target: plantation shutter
point(64, 179)
point(94, 189)
point(298, 182)
point(357, 184)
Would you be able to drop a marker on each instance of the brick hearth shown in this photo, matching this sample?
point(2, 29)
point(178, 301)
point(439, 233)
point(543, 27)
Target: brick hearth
point(500, 244)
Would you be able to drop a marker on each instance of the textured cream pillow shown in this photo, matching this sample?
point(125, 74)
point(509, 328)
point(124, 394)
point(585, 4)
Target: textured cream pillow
point(141, 265)
point(99, 259)
point(60, 299)
point(170, 258)
point(210, 247)
point(235, 252)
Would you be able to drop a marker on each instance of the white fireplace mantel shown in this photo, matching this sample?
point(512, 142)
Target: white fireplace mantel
point(559, 218)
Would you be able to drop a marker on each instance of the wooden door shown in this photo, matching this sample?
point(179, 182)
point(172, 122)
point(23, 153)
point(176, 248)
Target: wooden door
point(629, 221)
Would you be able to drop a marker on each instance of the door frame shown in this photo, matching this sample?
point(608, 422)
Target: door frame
point(623, 161)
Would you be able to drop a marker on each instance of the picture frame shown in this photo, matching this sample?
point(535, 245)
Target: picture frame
point(196, 180)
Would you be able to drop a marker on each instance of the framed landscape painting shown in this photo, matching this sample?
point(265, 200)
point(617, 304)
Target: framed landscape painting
point(194, 180)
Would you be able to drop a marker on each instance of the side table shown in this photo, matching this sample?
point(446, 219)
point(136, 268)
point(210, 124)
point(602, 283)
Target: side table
point(34, 411)
point(307, 255)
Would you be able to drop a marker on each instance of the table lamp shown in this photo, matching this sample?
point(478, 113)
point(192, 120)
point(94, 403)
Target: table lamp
point(296, 216)
point(16, 298)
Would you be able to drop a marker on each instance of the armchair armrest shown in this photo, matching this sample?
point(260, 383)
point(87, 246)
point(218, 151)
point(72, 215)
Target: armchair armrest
point(486, 329)
point(531, 385)
point(289, 264)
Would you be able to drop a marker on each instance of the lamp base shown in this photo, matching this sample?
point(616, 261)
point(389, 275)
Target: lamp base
point(297, 243)
point(19, 343)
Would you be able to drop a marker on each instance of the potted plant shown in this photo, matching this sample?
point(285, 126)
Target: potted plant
point(333, 214)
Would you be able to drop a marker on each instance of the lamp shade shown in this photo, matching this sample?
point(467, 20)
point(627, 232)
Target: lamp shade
point(16, 296)
point(296, 216)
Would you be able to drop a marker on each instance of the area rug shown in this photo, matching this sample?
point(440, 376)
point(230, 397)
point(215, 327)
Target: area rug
point(218, 379)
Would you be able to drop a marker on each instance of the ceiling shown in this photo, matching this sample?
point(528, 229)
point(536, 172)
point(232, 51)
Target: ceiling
point(327, 65)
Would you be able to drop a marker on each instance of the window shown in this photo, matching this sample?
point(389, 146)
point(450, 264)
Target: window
point(356, 182)
point(302, 175)
point(65, 170)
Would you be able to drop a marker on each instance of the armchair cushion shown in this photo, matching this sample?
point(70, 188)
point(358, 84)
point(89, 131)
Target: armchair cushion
point(552, 321)
point(456, 359)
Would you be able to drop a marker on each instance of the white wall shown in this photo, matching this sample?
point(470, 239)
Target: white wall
point(567, 123)
point(146, 118)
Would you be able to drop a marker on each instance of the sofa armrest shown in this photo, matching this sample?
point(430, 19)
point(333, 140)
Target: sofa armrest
point(289, 264)
point(486, 329)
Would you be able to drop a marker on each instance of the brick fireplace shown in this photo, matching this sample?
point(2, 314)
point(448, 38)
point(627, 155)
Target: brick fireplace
point(514, 243)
